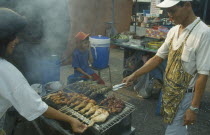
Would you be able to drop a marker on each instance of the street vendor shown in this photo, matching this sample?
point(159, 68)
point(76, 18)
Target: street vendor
point(187, 48)
point(14, 88)
point(81, 59)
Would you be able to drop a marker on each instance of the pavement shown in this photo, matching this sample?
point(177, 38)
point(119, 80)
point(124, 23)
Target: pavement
point(144, 118)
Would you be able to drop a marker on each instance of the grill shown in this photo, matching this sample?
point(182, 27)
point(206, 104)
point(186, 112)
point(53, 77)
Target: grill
point(115, 122)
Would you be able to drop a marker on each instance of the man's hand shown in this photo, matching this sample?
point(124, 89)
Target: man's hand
point(90, 77)
point(77, 126)
point(189, 117)
point(129, 79)
point(147, 67)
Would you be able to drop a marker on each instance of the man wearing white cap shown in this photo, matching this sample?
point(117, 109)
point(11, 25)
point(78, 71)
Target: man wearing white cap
point(187, 48)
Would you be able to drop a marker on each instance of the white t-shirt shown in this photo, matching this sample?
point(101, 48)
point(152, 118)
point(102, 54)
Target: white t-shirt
point(196, 52)
point(15, 91)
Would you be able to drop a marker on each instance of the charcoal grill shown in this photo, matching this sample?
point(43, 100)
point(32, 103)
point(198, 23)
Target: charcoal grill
point(116, 124)
point(100, 129)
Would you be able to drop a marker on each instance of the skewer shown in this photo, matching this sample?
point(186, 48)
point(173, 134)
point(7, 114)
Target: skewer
point(104, 107)
point(69, 111)
point(49, 95)
point(70, 90)
point(63, 108)
point(74, 113)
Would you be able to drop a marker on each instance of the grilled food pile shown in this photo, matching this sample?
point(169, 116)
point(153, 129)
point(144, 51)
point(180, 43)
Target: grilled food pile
point(82, 104)
point(114, 104)
point(79, 101)
point(90, 88)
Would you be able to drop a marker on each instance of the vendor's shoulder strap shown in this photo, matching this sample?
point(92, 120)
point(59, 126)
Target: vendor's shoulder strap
point(191, 31)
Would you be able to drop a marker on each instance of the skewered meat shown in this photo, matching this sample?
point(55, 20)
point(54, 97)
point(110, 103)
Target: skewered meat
point(77, 102)
point(88, 92)
point(80, 100)
point(100, 91)
point(92, 101)
point(82, 104)
point(54, 94)
point(75, 98)
point(62, 101)
point(87, 107)
point(85, 98)
point(90, 88)
point(58, 98)
point(100, 118)
point(92, 110)
point(71, 94)
point(97, 112)
point(115, 105)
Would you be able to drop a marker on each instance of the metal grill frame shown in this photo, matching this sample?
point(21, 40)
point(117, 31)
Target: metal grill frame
point(102, 128)
point(129, 108)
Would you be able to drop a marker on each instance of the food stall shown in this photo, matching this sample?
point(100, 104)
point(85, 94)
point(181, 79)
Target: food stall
point(148, 29)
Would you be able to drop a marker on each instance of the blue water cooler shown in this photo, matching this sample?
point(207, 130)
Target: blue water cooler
point(100, 46)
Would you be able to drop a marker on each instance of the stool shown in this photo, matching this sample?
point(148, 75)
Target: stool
point(99, 72)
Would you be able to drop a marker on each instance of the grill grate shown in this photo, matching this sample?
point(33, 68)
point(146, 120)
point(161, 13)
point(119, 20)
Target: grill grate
point(100, 128)
point(65, 109)
point(129, 108)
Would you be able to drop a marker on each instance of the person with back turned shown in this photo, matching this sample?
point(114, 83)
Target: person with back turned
point(14, 89)
point(187, 48)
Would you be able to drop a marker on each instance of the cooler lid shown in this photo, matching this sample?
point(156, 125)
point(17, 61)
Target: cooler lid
point(99, 37)
point(99, 40)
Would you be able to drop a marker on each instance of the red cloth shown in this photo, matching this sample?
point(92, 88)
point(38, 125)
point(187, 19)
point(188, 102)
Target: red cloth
point(95, 78)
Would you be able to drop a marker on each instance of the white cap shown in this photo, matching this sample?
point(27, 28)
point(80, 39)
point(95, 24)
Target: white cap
point(169, 3)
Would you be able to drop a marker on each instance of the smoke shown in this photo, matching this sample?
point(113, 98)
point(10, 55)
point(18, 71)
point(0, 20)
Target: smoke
point(46, 35)
point(48, 22)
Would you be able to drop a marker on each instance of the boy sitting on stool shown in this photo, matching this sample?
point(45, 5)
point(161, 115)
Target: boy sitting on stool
point(80, 61)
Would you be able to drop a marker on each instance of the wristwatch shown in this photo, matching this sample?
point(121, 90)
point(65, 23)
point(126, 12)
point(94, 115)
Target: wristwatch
point(194, 109)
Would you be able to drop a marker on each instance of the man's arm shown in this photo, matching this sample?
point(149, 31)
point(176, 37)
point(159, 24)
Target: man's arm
point(76, 125)
point(83, 72)
point(199, 90)
point(200, 85)
point(90, 59)
point(147, 67)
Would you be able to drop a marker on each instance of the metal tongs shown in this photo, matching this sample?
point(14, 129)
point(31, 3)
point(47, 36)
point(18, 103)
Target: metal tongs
point(118, 86)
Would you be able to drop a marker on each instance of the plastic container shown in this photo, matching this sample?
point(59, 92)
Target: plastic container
point(146, 12)
point(154, 45)
point(50, 69)
point(100, 46)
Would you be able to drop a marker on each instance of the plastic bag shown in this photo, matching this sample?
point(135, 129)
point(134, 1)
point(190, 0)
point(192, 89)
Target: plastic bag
point(144, 86)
